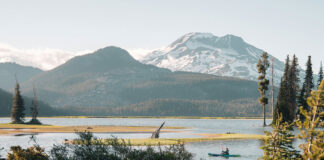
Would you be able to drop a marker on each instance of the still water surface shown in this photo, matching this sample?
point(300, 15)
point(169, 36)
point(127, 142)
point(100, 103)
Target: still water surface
point(248, 149)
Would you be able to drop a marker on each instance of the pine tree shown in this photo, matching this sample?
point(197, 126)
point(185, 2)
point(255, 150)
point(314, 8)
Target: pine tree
point(309, 82)
point(283, 98)
point(307, 87)
point(278, 143)
point(320, 75)
point(301, 102)
point(17, 110)
point(320, 78)
point(293, 86)
point(263, 65)
point(313, 148)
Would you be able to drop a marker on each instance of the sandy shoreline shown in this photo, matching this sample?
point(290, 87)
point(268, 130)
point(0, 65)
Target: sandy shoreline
point(12, 129)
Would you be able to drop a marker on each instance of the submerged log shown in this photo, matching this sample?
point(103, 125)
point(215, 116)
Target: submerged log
point(156, 133)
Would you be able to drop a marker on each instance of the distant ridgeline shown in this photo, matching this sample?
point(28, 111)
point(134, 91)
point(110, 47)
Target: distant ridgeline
point(110, 82)
point(8, 72)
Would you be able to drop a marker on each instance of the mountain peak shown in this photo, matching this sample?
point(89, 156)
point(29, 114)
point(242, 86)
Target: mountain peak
point(102, 60)
point(112, 52)
point(195, 35)
point(232, 37)
point(228, 55)
point(193, 40)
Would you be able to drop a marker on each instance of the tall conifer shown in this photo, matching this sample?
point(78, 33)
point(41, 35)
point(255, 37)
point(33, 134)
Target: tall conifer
point(293, 88)
point(283, 98)
point(263, 65)
point(308, 81)
point(17, 110)
point(320, 75)
point(307, 87)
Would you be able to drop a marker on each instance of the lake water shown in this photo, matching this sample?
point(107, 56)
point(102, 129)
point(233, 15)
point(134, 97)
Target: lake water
point(248, 149)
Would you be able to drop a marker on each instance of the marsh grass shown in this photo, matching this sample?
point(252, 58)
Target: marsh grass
point(155, 117)
point(173, 141)
point(27, 128)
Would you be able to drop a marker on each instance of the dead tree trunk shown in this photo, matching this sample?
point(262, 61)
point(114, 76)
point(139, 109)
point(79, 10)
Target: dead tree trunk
point(156, 133)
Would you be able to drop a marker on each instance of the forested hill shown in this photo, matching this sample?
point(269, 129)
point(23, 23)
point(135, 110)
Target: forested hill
point(110, 78)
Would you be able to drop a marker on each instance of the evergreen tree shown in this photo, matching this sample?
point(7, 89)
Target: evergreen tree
point(263, 65)
point(313, 148)
point(17, 110)
point(278, 143)
point(308, 81)
point(320, 75)
point(301, 102)
point(283, 97)
point(307, 87)
point(293, 88)
point(320, 78)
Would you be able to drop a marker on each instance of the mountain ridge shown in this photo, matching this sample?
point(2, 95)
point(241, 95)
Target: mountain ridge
point(120, 81)
point(228, 55)
point(9, 70)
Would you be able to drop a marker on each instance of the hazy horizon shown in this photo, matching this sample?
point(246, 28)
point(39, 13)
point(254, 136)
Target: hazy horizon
point(58, 30)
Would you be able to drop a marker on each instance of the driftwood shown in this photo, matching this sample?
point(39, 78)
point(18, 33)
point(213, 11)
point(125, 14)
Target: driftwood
point(156, 133)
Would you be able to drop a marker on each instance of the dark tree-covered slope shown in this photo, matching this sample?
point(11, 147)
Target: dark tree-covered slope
point(6, 104)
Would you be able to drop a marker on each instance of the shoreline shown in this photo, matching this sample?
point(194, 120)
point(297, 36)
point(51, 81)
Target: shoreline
point(156, 117)
point(15, 129)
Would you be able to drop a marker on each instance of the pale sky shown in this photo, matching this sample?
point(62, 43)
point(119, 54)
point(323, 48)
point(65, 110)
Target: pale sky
point(45, 28)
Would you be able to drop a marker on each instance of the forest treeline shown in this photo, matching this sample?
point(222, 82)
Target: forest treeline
point(176, 107)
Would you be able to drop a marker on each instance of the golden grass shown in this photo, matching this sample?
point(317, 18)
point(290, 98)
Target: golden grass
point(22, 126)
point(17, 128)
point(171, 141)
point(157, 117)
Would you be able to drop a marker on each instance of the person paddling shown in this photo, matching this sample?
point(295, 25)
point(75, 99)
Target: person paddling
point(226, 152)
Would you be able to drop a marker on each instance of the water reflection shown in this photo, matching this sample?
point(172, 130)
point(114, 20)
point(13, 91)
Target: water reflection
point(249, 149)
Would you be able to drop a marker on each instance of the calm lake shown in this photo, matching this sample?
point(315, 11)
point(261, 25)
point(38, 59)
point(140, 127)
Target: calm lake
point(248, 149)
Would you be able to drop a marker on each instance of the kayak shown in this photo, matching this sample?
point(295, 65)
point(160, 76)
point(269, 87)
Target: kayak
point(224, 155)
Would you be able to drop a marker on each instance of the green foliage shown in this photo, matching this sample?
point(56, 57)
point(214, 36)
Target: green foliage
point(307, 87)
point(278, 143)
point(282, 100)
point(18, 108)
point(302, 102)
point(263, 65)
point(91, 148)
point(309, 80)
point(286, 101)
point(314, 138)
point(320, 75)
point(88, 147)
point(32, 153)
point(293, 88)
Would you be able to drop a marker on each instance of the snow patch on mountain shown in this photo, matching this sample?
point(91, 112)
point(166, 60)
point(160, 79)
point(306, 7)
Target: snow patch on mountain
point(228, 55)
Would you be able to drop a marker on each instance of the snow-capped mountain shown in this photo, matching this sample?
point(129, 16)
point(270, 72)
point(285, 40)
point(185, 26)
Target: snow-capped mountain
point(206, 53)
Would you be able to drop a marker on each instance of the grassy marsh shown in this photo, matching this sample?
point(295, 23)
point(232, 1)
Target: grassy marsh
point(6, 128)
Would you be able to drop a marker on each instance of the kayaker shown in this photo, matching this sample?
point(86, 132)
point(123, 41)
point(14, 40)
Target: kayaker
point(226, 152)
